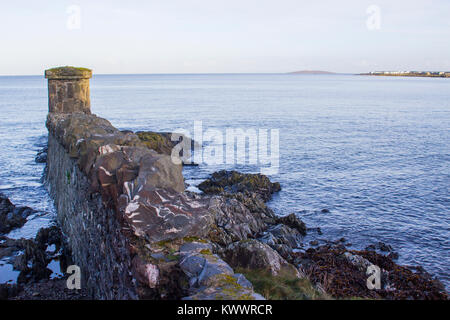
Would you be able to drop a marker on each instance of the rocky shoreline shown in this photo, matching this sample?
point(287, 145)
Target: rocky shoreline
point(244, 235)
point(125, 219)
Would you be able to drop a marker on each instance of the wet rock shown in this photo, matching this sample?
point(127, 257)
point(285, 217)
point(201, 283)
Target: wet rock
point(384, 248)
point(49, 236)
point(34, 256)
point(235, 182)
point(32, 263)
point(285, 235)
point(233, 221)
point(252, 254)
point(294, 222)
point(12, 217)
point(41, 156)
point(325, 211)
point(361, 263)
point(393, 255)
point(318, 230)
point(244, 215)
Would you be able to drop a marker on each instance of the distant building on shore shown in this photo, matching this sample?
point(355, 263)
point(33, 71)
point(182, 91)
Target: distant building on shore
point(436, 74)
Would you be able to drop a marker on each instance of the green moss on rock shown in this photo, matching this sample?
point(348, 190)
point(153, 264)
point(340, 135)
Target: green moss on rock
point(68, 72)
point(229, 288)
point(284, 286)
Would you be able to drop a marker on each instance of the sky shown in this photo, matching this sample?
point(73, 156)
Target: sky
point(226, 36)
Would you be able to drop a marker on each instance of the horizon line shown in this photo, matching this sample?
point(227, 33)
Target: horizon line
point(186, 73)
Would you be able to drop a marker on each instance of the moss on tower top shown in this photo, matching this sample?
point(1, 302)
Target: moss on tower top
point(68, 72)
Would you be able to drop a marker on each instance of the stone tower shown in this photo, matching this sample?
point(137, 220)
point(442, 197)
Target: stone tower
point(68, 90)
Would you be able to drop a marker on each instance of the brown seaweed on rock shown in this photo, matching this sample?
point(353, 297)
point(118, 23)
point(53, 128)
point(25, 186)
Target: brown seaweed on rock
point(342, 274)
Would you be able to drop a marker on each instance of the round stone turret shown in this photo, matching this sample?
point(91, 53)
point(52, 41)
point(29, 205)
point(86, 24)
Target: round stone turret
point(68, 90)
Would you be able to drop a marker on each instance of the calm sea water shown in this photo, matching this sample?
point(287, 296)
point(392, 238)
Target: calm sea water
point(374, 151)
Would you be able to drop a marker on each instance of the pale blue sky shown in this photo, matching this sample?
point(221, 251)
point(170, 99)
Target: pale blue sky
point(203, 36)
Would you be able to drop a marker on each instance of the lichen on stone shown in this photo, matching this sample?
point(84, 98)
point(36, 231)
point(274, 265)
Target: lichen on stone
point(68, 72)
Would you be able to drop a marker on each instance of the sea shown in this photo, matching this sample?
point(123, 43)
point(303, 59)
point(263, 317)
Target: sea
point(360, 157)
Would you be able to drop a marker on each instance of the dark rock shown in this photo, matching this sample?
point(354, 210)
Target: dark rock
point(318, 230)
point(126, 131)
point(32, 263)
point(393, 255)
point(282, 234)
point(294, 222)
point(283, 250)
point(8, 291)
point(325, 210)
point(237, 218)
point(49, 236)
point(252, 254)
point(34, 255)
point(234, 182)
point(12, 217)
point(384, 248)
point(51, 289)
point(41, 156)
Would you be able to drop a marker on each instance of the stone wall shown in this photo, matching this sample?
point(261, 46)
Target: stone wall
point(93, 232)
point(132, 229)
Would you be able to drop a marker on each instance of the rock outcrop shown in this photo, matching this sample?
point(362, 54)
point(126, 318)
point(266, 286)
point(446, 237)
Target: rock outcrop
point(252, 254)
point(32, 256)
point(234, 182)
point(12, 217)
point(239, 212)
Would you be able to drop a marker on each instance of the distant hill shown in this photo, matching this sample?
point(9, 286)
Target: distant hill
point(311, 72)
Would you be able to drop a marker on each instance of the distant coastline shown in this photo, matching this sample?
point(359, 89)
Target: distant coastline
point(311, 72)
point(431, 74)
